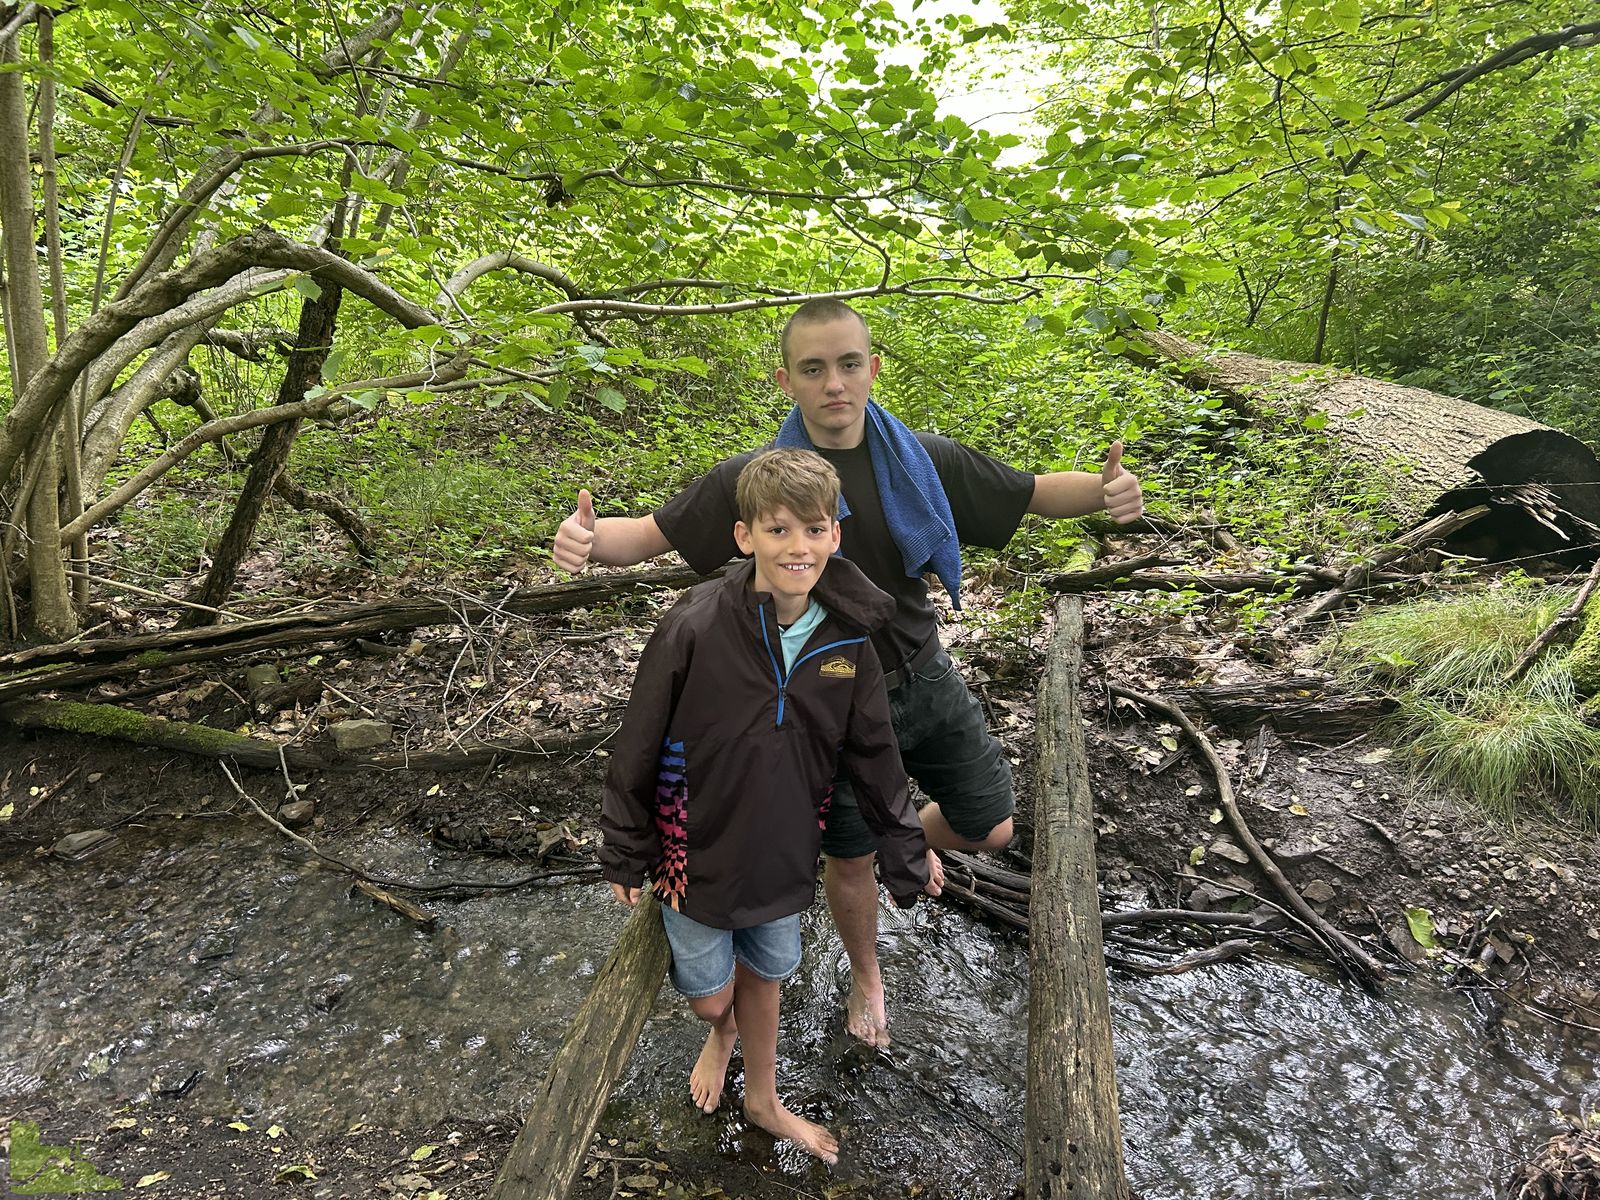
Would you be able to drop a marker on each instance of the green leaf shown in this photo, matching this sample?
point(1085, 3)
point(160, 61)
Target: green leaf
point(422, 1152)
point(1346, 16)
point(611, 398)
point(308, 287)
point(1315, 420)
point(985, 209)
point(1420, 922)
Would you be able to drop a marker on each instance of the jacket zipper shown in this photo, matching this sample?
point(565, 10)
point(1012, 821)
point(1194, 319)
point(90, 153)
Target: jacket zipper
point(778, 675)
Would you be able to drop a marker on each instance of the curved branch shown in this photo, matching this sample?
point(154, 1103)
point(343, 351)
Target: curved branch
point(33, 414)
point(29, 14)
point(101, 375)
point(213, 431)
point(192, 199)
point(1453, 81)
point(505, 260)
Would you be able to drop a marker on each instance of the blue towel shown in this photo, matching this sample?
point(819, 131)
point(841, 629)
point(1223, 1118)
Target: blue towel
point(914, 504)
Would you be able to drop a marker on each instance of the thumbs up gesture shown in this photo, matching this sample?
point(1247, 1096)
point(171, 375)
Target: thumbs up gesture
point(1119, 488)
point(575, 537)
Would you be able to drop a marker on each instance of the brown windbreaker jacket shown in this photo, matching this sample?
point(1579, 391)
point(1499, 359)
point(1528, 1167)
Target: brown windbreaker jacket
point(723, 770)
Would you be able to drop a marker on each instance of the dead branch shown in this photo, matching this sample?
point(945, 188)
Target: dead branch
point(205, 741)
point(1344, 951)
point(1437, 529)
point(26, 672)
point(1561, 628)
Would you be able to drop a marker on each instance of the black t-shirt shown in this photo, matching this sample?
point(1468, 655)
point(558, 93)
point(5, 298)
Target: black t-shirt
point(987, 499)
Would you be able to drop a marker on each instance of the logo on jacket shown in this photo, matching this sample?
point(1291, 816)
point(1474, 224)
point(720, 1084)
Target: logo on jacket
point(837, 667)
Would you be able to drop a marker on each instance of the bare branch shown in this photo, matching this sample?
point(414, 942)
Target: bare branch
point(502, 261)
point(29, 14)
point(37, 407)
point(915, 287)
point(223, 427)
point(192, 200)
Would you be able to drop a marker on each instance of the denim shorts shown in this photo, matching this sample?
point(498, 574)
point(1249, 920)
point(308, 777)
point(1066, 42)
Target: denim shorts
point(946, 747)
point(702, 957)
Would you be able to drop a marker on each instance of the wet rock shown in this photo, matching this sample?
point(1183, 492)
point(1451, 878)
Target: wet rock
point(298, 814)
point(262, 675)
point(1318, 891)
point(1225, 848)
point(360, 734)
point(175, 1080)
point(76, 847)
point(213, 944)
point(1406, 946)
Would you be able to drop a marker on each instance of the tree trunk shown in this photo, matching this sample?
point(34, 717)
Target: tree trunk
point(53, 617)
point(304, 371)
point(1440, 452)
point(1074, 1131)
point(545, 1159)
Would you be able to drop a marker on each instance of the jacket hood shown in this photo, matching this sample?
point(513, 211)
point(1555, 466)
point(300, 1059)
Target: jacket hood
point(843, 590)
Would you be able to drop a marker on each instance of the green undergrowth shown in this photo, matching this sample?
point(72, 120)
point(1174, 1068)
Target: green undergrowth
point(1515, 749)
point(468, 488)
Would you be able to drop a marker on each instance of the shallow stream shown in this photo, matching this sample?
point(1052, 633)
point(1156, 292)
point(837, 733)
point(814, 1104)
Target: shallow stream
point(212, 960)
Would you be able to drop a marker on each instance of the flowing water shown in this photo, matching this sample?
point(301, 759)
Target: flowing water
point(211, 959)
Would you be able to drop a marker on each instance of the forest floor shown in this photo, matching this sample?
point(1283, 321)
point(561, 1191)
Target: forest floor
point(1515, 913)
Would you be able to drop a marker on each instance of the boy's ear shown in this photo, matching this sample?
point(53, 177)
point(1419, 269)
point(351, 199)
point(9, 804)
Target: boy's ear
point(747, 545)
point(836, 532)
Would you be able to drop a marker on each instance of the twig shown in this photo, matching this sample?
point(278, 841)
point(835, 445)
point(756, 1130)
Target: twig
point(380, 881)
point(1437, 529)
point(1360, 964)
point(1380, 829)
point(1558, 628)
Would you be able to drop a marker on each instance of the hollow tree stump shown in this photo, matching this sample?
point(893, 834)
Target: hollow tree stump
point(1074, 1131)
point(548, 1153)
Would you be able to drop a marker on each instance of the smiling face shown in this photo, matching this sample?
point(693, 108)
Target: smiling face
point(829, 372)
point(790, 555)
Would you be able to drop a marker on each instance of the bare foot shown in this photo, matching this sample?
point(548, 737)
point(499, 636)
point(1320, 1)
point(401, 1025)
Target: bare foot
point(781, 1123)
point(935, 873)
point(864, 1016)
point(711, 1069)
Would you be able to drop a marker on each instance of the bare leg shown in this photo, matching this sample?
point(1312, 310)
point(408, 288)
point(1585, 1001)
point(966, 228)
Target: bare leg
point(711, 1068)
point(942, 837)
point(852, 891)
point(756, 1000)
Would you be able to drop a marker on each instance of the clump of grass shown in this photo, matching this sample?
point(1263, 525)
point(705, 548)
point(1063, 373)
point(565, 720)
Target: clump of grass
point(1453, 645)
point(1507, 747)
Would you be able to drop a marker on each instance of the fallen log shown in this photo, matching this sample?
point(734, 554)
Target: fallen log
point(205, 741)
point(1073, 1139)
point(548, 1153)
point(1224, 583)
point(1539, 482)
point(72, 664)
point(1304, 708)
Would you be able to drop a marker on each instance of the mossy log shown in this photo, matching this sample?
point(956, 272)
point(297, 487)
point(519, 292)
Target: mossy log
point(74, 664)
point(184, 737)
point(1074, 1129)
point(1441, 452)
point(1584, 660)
point(548, 1153)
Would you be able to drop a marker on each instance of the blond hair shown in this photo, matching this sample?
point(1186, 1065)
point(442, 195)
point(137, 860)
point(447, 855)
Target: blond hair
point(800, 480)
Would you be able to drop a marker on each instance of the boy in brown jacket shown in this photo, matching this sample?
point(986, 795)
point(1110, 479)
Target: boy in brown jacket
point(753, 689)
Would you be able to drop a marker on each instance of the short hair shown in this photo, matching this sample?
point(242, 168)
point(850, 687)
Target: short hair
point(800, 480)
point(817, 312)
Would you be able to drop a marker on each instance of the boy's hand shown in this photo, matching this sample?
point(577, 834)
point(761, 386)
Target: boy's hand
point(1120, 488)
point(625, 895)
point(575, 537)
